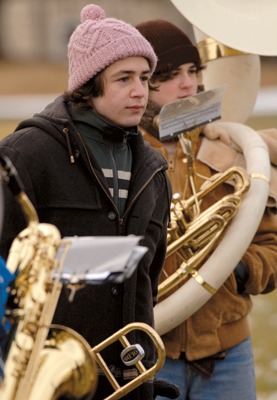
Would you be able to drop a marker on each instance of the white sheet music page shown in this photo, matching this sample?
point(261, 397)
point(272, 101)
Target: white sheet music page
point(191, 112)
point(100, 258)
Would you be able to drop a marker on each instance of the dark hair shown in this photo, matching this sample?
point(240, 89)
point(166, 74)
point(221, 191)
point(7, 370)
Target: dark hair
point(167, 73)
point(93, 88)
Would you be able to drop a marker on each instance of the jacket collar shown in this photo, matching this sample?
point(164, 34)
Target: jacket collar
point(55, 119)
point(104, 130)
point(147, 119)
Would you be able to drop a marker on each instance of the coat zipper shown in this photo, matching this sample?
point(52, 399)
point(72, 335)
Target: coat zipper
point(139, 192)
point(91, 167)
point(65, 131)
point(121, 220)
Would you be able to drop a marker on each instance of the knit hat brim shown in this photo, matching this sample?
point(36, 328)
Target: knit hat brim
point(107, 55)
point(171, 45)
point(177, 56)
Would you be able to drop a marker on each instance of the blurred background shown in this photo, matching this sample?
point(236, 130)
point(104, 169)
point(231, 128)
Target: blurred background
point(33, 71)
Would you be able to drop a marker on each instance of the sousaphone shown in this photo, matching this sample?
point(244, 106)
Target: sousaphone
point(230, 37)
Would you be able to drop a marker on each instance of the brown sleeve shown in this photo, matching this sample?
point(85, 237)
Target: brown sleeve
point(260, 258)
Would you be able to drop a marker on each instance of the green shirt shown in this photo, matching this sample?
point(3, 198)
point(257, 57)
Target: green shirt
point(109, 145)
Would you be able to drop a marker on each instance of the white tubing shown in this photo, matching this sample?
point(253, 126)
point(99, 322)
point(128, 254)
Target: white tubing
point(191, 296)
point(248, 26)
point(242, 73)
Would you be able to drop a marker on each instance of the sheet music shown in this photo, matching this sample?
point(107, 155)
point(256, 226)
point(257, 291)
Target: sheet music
point(101, 258)
point(191, 112)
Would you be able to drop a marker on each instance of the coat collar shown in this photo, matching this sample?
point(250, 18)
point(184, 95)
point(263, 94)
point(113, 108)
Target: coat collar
point(147, 119)
point(109, 132)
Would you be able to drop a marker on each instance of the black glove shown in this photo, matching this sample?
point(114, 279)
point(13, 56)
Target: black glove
point(241, 276)
point(166, 388)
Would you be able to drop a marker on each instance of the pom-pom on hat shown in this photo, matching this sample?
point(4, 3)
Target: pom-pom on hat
point(171, 45)
point(99, 41)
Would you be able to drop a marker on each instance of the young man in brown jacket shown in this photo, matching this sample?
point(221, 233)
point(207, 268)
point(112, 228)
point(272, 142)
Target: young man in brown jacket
point(210, 354)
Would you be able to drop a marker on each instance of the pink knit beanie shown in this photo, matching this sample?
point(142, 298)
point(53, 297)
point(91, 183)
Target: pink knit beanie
point(98, 42)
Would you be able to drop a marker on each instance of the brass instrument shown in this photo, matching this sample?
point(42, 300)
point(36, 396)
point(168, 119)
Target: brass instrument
point(38, 353)
point(193, 235)
point(224, 51)
point(44, 361)
point(130, 355)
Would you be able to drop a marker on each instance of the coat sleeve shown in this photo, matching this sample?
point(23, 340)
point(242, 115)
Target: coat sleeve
point(260, 259)
point(14, 220)
point(159, 256)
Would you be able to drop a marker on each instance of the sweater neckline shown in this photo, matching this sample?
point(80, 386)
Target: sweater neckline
point(109, 132)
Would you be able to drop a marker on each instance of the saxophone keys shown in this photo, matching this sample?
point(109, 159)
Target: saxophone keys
point(24, 341)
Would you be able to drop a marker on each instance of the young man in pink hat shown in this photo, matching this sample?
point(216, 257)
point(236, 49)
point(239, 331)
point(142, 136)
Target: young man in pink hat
point(209, 355)
point(88, 171)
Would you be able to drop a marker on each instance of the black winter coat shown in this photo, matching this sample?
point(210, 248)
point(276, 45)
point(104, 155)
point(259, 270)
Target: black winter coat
point(75, 198)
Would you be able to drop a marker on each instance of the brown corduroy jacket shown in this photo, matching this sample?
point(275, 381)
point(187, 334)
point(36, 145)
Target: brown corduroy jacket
point(222, 322)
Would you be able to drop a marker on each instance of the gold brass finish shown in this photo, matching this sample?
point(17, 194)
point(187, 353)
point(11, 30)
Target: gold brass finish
point(156, 121)
point(44, 361)
point(35, 296)
point(200, 280)
point(145, 374)
point(209, 49)
point(201, 233)
point(260, 176)
point(193, 235)
point(66, 367)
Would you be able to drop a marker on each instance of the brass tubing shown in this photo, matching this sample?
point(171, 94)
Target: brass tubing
point(212, 223)
point(209, 49)
point(180, 275)
point(212, 220)
point(221, 178)
point(204, 221)
point(146, 374)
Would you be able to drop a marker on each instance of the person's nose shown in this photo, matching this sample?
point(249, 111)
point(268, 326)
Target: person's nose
point(185, 81)
point(138, 89)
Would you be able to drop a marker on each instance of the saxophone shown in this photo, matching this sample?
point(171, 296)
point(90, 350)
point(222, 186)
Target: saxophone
point(41, 361)
point(44, 361)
